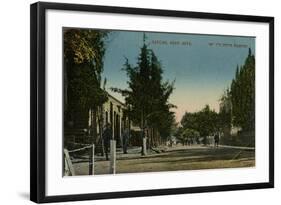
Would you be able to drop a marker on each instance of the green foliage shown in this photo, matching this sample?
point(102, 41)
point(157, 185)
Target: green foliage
point(185, 134)
point(84, 45)
point(189, 133)
point(225, 110)
point(190, 120)
point(243, 94)
point(147, 95)
point(83, 64)
point(205, 121)
point(83, 88)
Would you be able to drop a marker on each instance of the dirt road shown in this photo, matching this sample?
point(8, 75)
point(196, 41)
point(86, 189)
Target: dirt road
point(177, 158)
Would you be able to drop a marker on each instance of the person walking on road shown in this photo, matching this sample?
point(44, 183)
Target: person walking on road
point(217, 139)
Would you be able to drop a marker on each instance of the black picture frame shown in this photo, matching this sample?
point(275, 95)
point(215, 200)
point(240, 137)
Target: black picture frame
point(38, 101)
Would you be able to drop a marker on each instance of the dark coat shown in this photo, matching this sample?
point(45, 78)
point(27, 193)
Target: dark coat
point(217, 138)
point(107, 136)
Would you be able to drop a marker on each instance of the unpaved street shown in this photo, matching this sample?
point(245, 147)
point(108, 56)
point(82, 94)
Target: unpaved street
point(177, 158)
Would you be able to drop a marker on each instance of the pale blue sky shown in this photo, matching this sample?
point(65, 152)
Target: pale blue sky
point(202, 72)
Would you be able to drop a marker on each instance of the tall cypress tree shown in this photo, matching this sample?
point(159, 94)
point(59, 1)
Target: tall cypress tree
point(243, 94)
point(147, 94)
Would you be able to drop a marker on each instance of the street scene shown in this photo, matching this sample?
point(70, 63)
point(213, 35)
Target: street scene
point(139, 102)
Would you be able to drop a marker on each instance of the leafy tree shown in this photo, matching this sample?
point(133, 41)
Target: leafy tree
point(179, 134)
point(189, 134)
point(147, 95)
point(225, 114)
point(205, 122)
point(190, 120)
point(160, 117)
point(243, 94)
point(186, 134)
point(83, 64)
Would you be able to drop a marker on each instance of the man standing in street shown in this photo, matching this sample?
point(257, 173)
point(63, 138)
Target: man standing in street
point(217, 139)
point(107, 136)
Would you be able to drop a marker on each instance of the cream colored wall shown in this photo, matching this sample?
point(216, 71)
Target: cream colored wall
point(106, 108)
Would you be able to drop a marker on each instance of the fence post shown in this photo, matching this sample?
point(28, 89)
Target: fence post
point(144, 145)
point(112, 166)
point(68, 164)
point(92, 160)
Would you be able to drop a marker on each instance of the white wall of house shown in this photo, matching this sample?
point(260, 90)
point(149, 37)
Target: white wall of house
point(113, 113)
point(117, 114)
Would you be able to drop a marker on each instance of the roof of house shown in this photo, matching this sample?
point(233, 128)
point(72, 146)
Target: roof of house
point(110, 96)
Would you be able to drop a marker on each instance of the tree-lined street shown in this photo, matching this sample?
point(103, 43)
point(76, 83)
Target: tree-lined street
point(144, 124)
